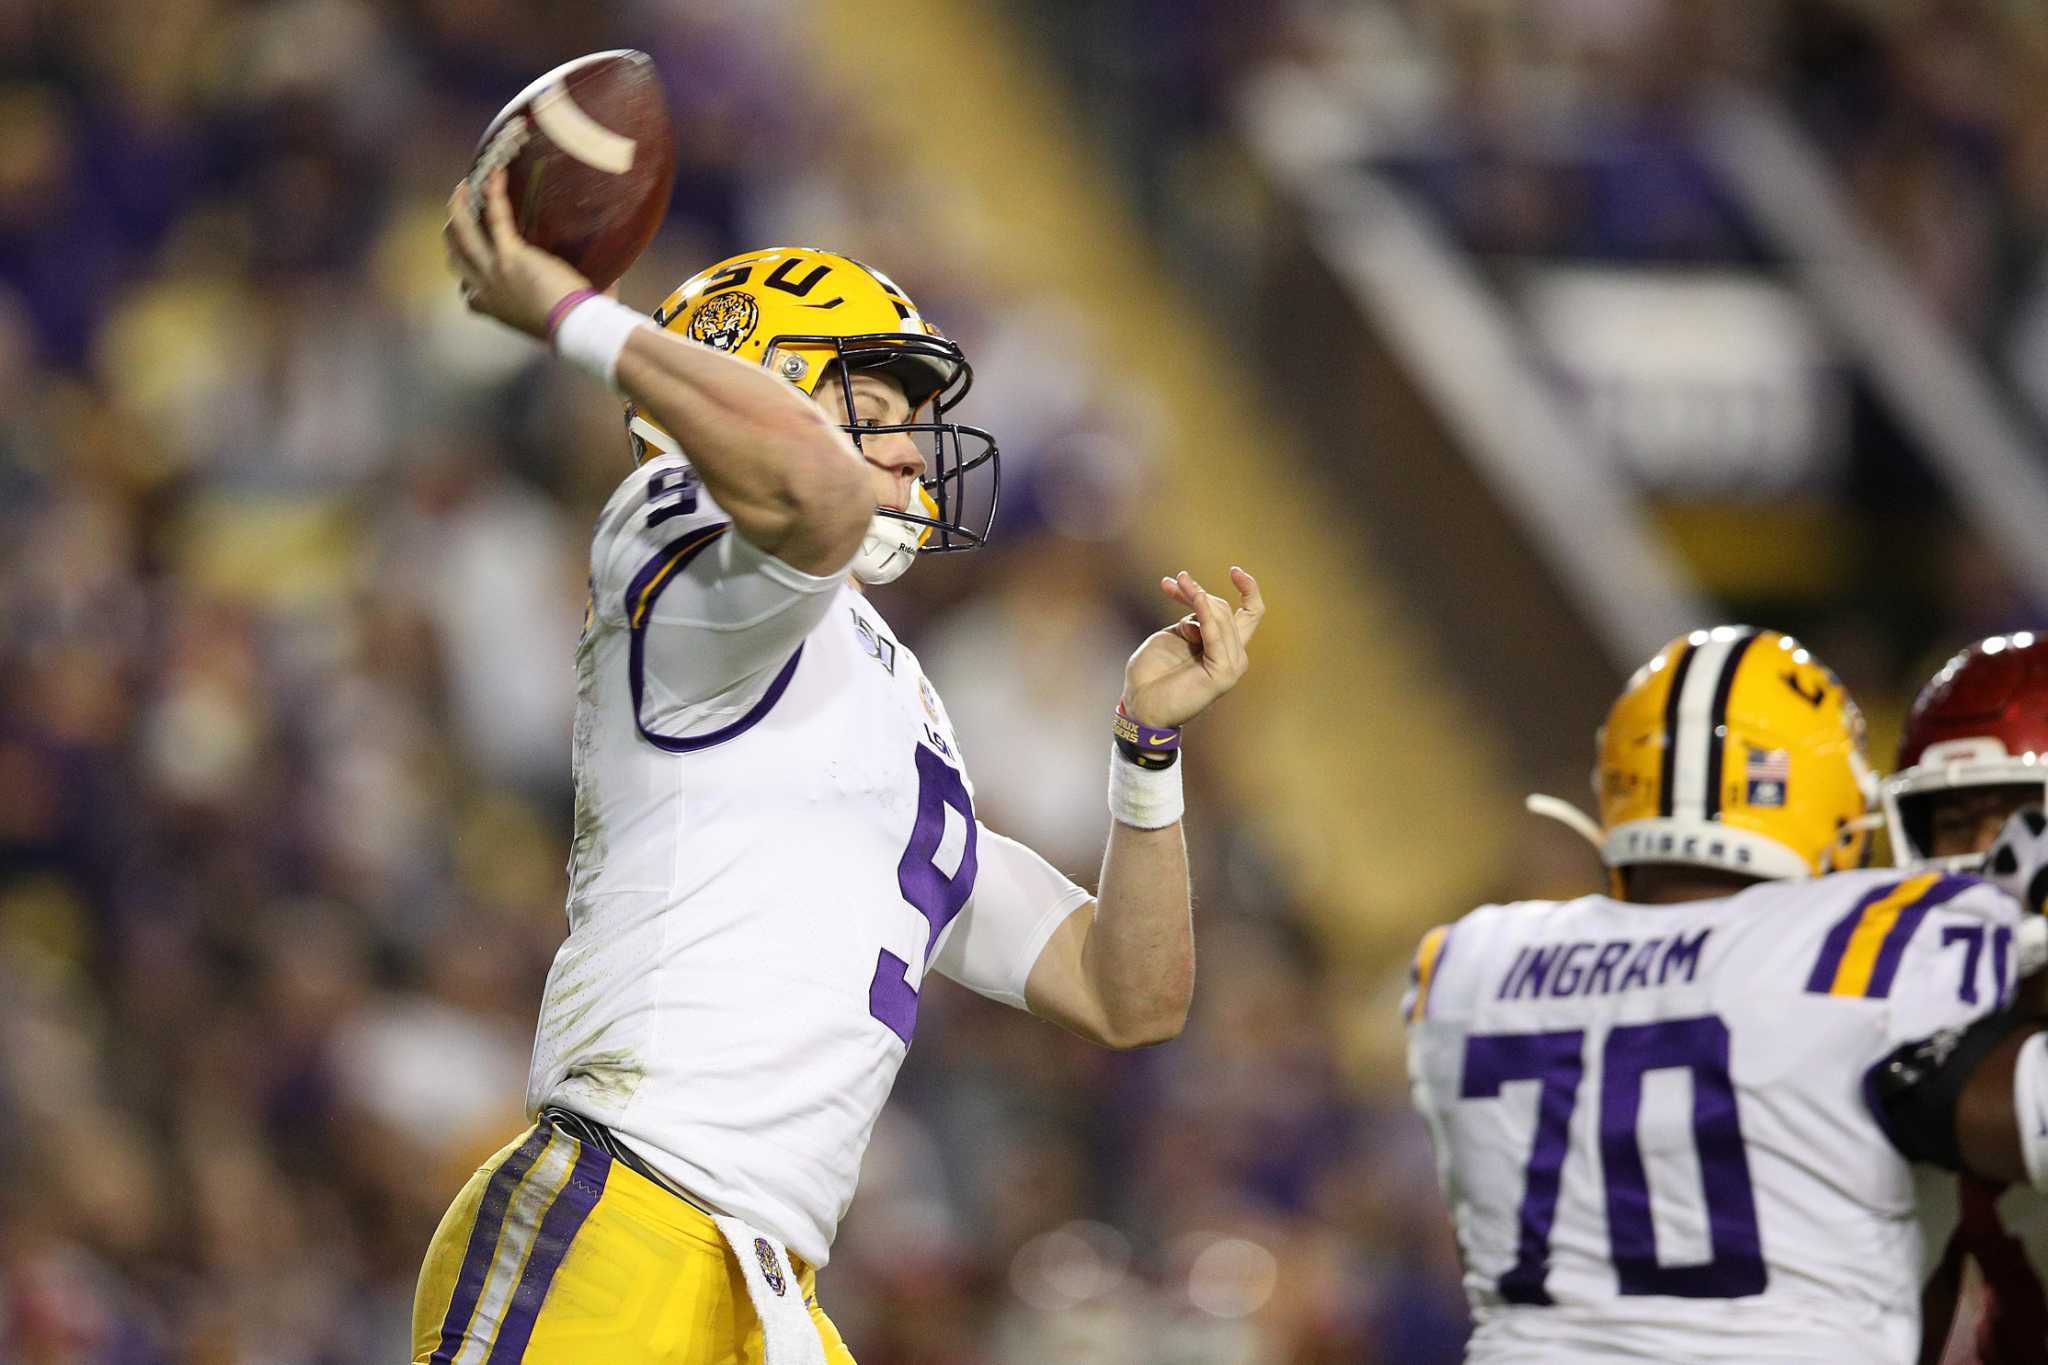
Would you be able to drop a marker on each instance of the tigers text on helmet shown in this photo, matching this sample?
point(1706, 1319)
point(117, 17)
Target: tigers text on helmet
point(1733, 749)
point(1982, 721)
point(796, 311)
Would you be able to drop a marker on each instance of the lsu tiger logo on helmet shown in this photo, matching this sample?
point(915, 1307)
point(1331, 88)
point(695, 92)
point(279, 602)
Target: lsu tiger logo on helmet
point(725, 321)
point(1733, 749)
point(806, 315)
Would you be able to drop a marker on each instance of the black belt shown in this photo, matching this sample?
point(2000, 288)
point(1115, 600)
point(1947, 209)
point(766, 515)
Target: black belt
point(605, 1140)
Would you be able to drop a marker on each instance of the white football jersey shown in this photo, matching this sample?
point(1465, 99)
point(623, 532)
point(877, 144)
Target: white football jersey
point(1650, 1122)
point(774, 839)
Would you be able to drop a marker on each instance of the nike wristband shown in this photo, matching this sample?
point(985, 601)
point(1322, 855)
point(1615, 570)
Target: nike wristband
point(1147, 746)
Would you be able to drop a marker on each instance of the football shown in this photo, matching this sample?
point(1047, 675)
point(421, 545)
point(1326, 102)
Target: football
point(590, 159)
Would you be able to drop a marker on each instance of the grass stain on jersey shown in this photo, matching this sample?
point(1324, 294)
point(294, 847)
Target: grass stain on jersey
point(587, 842)
point(557, 1016)
point(609, 1076)
point(561, 1024)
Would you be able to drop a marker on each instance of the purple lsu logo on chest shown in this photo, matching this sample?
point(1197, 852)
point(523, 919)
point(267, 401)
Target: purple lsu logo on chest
point(771, 1265)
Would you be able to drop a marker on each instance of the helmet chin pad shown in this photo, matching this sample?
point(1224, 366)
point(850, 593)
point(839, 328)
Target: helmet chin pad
point(887, 550)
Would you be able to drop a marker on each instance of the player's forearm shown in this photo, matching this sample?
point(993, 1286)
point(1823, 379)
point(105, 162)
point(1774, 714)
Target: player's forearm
point(1972, 1100)
point(768, 456)
point(1140, 954)
point(2001, 1118)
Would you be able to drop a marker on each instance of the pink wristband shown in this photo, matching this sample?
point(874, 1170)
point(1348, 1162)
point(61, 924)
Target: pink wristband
point(562, 307)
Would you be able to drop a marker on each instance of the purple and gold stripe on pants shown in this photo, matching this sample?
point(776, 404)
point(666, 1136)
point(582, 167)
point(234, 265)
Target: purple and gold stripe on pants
point(533, 1207)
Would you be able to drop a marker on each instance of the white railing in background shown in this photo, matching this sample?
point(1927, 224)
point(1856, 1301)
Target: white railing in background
point(1461, 345)
point(1939, 391)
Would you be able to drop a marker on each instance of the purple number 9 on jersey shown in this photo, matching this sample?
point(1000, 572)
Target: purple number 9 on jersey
point(930, 891)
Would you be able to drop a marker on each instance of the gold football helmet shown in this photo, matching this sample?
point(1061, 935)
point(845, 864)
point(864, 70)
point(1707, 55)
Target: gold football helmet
point(796, 310)
point(1733, 749)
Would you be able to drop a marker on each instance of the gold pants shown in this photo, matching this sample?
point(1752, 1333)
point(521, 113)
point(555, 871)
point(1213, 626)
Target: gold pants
point(554, 1254)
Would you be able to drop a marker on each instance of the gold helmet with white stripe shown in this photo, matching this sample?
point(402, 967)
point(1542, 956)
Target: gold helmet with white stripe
point(1734, 749)
point(815, 317)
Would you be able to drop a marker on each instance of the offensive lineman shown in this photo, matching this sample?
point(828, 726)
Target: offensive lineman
point(775, 835)
point(1648, 1107)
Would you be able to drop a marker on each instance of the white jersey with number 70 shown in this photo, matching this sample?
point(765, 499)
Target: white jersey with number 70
point(1650, 1123)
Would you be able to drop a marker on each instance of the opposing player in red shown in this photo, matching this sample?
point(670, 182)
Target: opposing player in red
point(775, 834)
point(1975, 752)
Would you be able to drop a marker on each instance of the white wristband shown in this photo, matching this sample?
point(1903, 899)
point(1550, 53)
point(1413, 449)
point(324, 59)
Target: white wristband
point(591, 335)
point(1143, 798)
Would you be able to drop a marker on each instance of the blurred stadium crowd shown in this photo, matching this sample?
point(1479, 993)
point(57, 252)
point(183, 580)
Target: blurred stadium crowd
point(293, 579)
point(1563, 131)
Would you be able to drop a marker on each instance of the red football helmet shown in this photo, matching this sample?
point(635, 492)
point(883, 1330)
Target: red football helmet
point(1982, 721)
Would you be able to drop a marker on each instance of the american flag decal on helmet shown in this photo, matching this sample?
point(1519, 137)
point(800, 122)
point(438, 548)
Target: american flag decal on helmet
point(1766, 775)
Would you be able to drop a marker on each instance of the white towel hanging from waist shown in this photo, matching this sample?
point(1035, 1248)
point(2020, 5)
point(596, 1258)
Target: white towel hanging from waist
point(789, 1334)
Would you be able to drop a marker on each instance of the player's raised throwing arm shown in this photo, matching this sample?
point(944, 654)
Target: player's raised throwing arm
point(789, 478)
point(1123, 972)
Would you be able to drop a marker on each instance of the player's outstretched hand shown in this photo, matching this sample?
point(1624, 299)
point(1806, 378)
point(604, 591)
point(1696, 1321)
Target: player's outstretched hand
point(503, 275)
point(1178, 671)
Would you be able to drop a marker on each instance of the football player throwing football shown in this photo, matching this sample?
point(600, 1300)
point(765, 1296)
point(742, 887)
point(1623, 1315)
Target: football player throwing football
point(775, 834)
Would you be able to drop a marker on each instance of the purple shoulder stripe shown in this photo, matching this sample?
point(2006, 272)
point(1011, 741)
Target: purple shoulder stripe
point(1836, 944)
point(1894, 947)
point(662, 567)
point(1885, 968)
point(641, 595)
point(688, 744)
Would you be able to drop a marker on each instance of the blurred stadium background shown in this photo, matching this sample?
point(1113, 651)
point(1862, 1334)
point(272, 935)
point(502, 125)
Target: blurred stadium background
point(1503, 340)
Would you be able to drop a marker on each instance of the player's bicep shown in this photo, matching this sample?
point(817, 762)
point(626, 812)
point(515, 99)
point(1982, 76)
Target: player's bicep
point(716, 624)
point(714, 621)
point(1020, 918)
point(1058, 989)
point(665, 553)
